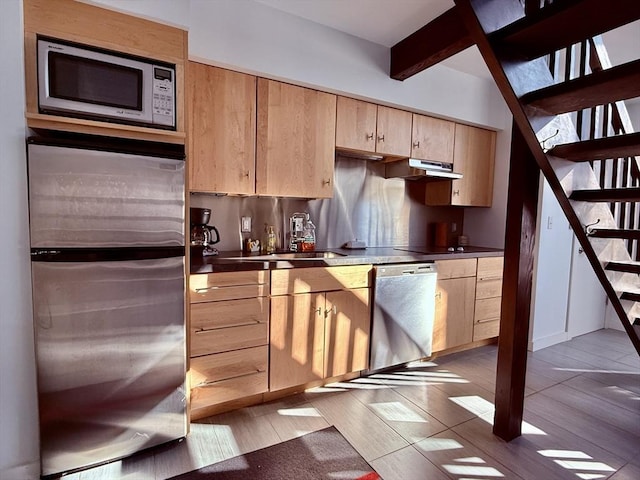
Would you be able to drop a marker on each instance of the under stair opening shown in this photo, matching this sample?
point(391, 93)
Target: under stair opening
point(550, 63)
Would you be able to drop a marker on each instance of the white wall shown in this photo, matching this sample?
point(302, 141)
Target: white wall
point(551, 272)
point(18, 405)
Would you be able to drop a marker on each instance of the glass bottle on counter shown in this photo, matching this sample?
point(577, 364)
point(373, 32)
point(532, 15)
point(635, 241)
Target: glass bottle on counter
point(309, 237)
point(270, 240)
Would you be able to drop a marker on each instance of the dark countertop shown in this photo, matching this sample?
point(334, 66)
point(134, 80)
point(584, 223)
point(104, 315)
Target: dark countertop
point(238, 261)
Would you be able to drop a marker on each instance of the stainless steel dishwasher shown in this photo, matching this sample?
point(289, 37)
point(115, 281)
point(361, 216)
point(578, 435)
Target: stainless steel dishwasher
point(403, 313)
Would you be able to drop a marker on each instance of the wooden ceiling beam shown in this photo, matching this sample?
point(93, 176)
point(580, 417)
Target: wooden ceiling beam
point(436, 41)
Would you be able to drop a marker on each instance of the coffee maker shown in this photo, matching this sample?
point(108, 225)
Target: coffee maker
point(202, 235)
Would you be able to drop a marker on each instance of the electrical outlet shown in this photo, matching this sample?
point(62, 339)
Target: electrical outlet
point(245, 225)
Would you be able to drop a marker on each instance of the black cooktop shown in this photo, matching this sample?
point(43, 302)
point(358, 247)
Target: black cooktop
point(439, 250)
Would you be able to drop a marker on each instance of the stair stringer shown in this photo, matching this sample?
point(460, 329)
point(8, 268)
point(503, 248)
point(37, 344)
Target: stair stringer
point(515, 77)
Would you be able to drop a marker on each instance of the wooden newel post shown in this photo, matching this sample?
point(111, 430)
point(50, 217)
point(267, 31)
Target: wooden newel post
point(522, 206)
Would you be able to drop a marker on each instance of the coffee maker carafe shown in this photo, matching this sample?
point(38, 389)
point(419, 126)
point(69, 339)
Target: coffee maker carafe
point(202, 235)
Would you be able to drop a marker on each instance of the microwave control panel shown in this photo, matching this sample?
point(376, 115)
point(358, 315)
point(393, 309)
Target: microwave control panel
point(163, 96)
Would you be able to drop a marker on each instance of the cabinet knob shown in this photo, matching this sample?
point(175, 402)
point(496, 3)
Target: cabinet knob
point(416, 144)
point(247, 174)
point(318, 311)
point(326, 182)
point(381, 138)
point(333, 310)
point(370, 136)
point(456, 192)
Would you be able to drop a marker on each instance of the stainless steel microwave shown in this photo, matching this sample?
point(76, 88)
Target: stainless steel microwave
point(82, 82)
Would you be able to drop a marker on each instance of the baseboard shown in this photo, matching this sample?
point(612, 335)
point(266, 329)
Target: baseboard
point(547, 341)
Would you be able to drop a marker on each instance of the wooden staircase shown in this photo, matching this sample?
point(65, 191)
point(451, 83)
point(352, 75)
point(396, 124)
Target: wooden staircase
point(567, 112)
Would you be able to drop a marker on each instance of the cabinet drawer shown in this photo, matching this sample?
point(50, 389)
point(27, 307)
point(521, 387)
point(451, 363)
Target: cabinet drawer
point(229, 313)
point(488, 329)
point(210, 369)
point(489, 288)
point(219, 340)
point(207, 287)
point(487, 309)
point(230, 389)
point(305, 280)
point(460, 267)
point(490, 267)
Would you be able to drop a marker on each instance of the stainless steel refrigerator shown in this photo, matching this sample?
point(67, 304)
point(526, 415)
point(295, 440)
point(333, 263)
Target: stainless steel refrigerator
point(107, 250)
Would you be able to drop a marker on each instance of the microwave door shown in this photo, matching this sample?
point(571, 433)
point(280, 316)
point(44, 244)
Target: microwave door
point(93, 84)
point(82, 198)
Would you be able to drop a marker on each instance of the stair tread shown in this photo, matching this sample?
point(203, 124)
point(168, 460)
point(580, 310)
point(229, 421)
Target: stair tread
point(615, 233)
point(628, 266)
point(618, 146)
point(607, 195)
point(557, 26)
point(631, 295)
point(599, 88)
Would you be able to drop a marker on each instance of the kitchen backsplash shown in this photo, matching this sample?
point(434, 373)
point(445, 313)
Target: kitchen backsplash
point(365, 205)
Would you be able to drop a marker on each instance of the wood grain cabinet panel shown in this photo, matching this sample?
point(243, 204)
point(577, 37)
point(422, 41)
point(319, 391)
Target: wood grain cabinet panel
point(206, 287)
point(222, 106)
point(301, 280)
point(295, 147)
point(453, 324)
point(356, 125)
point(228, 338)
point(486, 322)
point(347, 331)
point(318, 334)
point(459, 267)
point(393, 135)
point(432, 139)
point(228, 376)
point(474, 158)
point(369, 128)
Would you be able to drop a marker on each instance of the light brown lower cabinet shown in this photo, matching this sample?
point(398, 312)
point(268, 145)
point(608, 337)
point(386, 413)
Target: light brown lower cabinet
point(455, 296)
point(318, 334)
point(486, 319)
point(229, 336)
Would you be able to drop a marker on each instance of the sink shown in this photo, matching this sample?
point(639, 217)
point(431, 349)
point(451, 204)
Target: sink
point(291, 256)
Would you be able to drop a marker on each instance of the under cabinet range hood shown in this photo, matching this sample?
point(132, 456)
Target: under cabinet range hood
point(416, 169)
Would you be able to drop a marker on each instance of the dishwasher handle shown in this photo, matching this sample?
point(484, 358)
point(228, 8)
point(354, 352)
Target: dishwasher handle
point(398, 270)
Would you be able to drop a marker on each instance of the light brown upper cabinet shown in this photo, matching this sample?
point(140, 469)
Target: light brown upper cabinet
point(432, 139)
point(367, 127)
point(222, 106)
point(473, 156)
point(295, 148)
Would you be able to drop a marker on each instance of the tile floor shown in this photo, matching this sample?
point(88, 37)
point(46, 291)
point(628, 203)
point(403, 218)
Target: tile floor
point(432, 420)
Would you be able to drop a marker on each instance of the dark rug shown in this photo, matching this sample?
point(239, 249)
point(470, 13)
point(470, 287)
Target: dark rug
point(322, 454)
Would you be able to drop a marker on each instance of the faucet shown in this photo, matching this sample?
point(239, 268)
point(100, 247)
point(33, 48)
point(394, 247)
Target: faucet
point(296, 230)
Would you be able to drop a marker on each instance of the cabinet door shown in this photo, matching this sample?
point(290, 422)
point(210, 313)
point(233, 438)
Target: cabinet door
point(356, 125)
point(295, 141)
point(432, 139)
point(473, 156)
point(393, 132)
point(222, 107)
point(453, 325)
point(347, 329)
point(297, 340)
point(474, 153)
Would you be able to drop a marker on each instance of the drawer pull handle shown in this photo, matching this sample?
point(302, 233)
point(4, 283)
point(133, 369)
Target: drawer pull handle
point(485, 320)
point(210, 383)
point(243, 324)
point(213, 287)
